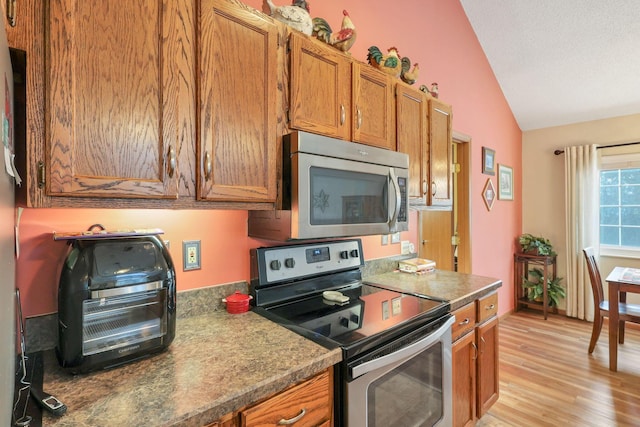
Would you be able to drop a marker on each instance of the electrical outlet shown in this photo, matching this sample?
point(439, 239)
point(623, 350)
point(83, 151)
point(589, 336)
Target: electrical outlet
point(406, 247)
point(191, 254)
point(395, 237)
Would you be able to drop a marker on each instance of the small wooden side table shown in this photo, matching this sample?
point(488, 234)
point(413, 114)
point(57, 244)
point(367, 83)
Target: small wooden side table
point(521, 264)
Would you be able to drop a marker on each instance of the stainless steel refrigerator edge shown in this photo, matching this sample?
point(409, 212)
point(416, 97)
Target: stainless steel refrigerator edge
point(7, 255)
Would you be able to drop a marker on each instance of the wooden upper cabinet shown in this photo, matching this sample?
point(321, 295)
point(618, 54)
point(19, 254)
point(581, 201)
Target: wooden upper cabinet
point(412, 134)
point(373, 111)
point(333, 95)
point(320, 88)
point(237, 72)
point(440, 153)
point(112, 84)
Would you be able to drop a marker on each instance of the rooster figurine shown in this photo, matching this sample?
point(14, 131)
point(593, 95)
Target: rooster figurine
point(390, 63)
point(343, 39)
point(296, 16)
point(408, 75)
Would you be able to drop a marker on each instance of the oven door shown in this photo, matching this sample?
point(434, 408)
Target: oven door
point(409, 386)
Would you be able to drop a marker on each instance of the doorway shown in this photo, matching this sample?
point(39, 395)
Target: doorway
point(445, 234)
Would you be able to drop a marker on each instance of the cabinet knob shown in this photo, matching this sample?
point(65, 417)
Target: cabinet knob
point(207, 166)
point(171, 165)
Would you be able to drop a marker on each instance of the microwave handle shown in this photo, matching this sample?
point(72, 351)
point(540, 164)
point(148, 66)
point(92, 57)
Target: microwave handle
point(393, 222)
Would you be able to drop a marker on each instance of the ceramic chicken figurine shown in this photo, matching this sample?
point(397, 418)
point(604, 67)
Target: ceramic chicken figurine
point(407, 74)
point(390, 63)
point(296, 16)
point(343, 39)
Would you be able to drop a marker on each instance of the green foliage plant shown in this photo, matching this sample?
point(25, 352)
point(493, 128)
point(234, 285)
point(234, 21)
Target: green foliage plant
point(534, 244)
point(534, 286)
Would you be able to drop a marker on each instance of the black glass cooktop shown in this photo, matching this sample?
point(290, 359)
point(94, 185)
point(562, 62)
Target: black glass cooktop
point(370, 316)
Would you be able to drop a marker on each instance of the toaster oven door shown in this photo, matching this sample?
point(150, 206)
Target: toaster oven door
point(123, 318)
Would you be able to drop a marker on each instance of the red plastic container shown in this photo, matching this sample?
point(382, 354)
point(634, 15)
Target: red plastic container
point(237, 303)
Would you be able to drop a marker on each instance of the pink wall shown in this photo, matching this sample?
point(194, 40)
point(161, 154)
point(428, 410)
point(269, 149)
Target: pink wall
point(223, 235)
point(434, 33)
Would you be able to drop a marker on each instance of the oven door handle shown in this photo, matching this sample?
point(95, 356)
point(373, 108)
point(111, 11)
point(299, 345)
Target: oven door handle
point(404, 352)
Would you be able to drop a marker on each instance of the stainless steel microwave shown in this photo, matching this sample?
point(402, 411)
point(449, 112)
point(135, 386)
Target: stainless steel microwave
point(334, 188)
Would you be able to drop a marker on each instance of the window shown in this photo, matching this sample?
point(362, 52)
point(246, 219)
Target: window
point(620, 204)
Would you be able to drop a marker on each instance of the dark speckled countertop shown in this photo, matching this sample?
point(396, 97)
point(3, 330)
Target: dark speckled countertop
point(217, 364)
point(457, 288)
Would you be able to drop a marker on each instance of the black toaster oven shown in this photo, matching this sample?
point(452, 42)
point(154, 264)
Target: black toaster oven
point(116, 302)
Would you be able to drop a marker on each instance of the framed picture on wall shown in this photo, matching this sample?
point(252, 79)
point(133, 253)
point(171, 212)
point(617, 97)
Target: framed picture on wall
point(505, 182)
point(489, 194)
point(488, 161)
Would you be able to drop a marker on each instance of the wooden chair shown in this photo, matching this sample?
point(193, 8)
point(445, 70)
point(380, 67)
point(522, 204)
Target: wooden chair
point(628, 312)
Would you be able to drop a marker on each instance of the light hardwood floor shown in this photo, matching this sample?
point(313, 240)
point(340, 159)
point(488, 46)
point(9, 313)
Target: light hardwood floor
point(547, 378)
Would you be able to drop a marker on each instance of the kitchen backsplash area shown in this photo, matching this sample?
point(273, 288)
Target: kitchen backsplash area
point(41, 332)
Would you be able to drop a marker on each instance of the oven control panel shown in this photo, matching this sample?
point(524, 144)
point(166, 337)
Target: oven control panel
point(293, 262)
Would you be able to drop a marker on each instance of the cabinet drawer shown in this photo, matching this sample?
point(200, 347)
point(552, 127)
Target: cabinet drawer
point(465, 321)
point(311, 397)
point(487, 307)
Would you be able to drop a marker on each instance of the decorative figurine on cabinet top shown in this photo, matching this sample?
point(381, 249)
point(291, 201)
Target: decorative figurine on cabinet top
point(408, 75)
point(390, 63)
point(296, 16)
point(343, 39)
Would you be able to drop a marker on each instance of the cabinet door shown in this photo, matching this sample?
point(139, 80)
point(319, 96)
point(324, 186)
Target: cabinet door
point(488, 387)
point(320, 88)
point(237, 70)
point(464, 353)
point(412, 136)
point(373, 112)
point(440, 155)
point(111, 89)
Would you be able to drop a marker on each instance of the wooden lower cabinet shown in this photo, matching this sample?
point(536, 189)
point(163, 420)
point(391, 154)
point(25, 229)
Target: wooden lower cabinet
point(306, 404)
point(475, 360)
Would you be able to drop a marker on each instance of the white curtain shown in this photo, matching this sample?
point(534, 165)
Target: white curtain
point(582, 225)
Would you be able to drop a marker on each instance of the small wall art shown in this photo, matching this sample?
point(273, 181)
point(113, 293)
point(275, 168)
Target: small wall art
point(505, 182)
point(488, 161)
point(489, 194)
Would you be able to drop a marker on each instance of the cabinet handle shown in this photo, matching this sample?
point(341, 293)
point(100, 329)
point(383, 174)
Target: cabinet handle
point(424, 186)
point(464, 322)
point(343, 114)
point(484, 343)
point(293, 420)
point(434, 187)
point(207, 166)
point(172, 161)
point(475, 350)
point(490, 307)
point(41, 175)
point(11, 12)
point(359, 121)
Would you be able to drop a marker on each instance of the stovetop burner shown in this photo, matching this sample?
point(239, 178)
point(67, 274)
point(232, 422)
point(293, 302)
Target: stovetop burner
point(290, 288)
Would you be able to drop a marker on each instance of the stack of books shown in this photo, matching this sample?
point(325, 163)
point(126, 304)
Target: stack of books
point(417, 265)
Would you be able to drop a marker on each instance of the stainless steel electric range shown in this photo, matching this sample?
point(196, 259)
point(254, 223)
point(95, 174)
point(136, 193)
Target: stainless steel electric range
point(396, 347)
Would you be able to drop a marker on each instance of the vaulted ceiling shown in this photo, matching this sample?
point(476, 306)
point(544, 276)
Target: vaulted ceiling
point(562, 61)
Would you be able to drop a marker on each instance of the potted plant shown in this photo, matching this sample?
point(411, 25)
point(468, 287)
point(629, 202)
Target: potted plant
point(535, 245)
point(533, 283)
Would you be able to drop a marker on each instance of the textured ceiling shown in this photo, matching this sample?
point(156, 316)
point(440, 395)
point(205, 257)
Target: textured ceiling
point(562, 61)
